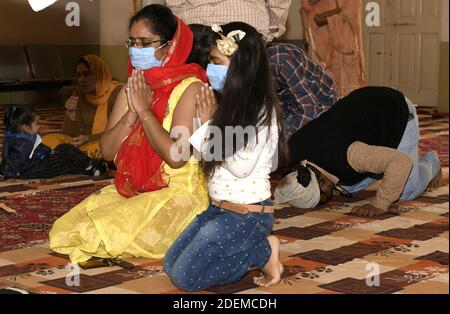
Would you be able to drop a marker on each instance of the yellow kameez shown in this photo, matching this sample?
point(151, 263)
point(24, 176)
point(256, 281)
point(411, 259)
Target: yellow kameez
point(108, 225)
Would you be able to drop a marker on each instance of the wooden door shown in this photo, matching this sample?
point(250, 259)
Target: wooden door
point(403, 52)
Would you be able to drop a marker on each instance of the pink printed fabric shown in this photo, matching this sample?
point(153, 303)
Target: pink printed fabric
point(335, 40)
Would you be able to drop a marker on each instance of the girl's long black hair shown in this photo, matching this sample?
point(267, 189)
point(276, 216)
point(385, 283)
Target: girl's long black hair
point(248, 97)
point(16, 117)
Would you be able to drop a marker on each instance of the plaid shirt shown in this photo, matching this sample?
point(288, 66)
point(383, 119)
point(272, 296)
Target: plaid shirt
point(267, 16)
point(304, 89)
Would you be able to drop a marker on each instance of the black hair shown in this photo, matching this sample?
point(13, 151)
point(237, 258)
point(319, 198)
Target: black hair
point(201, 47)
point(16, 117)
point(159, 20)
point(248, 97)
point(84, 62)
point(325, 197)
point(303, 175)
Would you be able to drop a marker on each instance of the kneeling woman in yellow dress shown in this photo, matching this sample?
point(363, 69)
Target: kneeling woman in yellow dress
point(89, 107)
point(156, 194)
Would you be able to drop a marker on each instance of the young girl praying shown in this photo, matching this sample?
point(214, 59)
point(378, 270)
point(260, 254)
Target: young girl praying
point(232, 236)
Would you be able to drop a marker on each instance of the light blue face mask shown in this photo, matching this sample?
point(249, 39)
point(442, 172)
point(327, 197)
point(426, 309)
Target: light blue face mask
point(217, 75)
point(144, 58)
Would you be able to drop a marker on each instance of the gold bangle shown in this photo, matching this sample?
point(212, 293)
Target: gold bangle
point(128, 125)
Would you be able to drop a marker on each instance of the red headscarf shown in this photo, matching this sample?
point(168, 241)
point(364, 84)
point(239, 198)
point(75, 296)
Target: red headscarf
point(139, 167)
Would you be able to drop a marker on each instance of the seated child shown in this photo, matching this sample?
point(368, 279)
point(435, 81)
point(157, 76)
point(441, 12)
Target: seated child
point(25, 157)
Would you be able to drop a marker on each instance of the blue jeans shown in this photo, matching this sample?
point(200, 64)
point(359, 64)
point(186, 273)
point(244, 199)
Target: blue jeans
point(424, 169)
point(219, 247)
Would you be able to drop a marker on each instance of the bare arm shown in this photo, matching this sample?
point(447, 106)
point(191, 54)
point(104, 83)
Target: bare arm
point(120, 124)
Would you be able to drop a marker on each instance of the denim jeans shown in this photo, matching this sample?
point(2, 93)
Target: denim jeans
point(219, 247)
point(424, 169)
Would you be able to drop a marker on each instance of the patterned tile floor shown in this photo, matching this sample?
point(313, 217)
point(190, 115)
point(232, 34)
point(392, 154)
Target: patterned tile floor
point(325, 251)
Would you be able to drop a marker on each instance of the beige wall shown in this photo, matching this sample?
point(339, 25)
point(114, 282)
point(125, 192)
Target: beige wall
point(294, 25)
point(154, 2)
point(114, 16)
point(444, 36)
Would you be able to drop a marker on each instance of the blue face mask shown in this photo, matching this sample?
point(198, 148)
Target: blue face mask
point(144, 58)
point(217, 75)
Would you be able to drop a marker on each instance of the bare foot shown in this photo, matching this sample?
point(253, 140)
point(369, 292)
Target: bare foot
point(272, 271)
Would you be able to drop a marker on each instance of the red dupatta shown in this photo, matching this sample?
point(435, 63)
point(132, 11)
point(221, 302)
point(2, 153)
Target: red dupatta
point(139, 167)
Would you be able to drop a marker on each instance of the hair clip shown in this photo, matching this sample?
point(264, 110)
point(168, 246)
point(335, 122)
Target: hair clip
point(228, 45)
